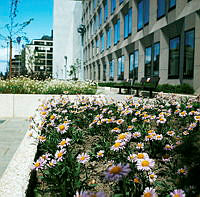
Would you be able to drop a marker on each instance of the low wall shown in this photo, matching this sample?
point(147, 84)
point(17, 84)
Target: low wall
point(24, 105)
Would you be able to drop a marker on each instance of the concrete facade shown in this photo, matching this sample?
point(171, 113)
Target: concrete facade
point(67, 41)
point(39, 56)
point(176, 21)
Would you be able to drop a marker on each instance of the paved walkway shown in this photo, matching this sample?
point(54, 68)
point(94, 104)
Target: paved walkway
point(12, 132)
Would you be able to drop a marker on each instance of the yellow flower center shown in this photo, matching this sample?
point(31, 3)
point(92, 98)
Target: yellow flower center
point(100, 154)
point(62, 143)
point(152, 176)
point(37, 164)
point(60, 154)
point(136, 180)
point(61, 127)
point(116, 170)
point(145, 163)
point(116, 128)
point(147, 194)
point(176, 195)
point(149, 136)
point(140, 156)
point(51, 164)
point(158, 136)
point(181, 170)
point(52, 117)
point(197, 117)
point(42, 138)
point(121, 136)
point(44, 113)
point(139, 145)
point(117, 144)
point(82, 158)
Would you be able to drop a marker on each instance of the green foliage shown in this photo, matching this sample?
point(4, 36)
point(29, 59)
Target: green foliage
point(166, 88)
point(182, 89)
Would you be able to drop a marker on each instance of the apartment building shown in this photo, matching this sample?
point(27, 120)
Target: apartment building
point(39, 56)
point(131, 39)
point(18, 65)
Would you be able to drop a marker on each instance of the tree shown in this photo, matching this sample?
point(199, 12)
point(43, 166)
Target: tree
point(13, 29)
point(74, 68)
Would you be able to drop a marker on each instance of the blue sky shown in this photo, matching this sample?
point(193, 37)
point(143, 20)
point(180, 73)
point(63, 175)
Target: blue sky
point(40, 10)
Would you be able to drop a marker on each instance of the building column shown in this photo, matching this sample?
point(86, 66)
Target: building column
point(141, 61)
point(101, 69)
point(107, 68)
point(126, 63)
point(115, 58)
point(121, 25)
point(164, 58)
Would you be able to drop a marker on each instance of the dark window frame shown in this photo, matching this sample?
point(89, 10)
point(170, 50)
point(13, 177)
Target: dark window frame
point(174, 76)
point(188, 76)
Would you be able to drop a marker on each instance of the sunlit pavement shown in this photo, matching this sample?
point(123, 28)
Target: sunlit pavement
point(12, 132)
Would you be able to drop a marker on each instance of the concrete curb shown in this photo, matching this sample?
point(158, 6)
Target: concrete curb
point(14, 181)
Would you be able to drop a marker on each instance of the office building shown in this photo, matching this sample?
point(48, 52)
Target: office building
point(131, 39)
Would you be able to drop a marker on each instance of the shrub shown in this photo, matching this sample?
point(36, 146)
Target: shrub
point(182, 89)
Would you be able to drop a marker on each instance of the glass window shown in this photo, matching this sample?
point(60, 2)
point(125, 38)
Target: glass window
point(106, 10)
point(109, 38)
point(95, 24)
point(156, 57)
point(128, 23)
point(100, 16)
point(148, 62)
point(135, 64)
point(161, 8)
point(146, 12)
point(119, 68)
point(131, 58)
point(102, 42)
point(120, 73)
point(129, 20)
point(104, 72)
point(172, 3)
point(143, 13)
point(126, 26)
point(111, 70)
point(174, 58)
point(117, 32)
point(94, 4)
point(140, 15)
point(113, 5)
point(188, 69)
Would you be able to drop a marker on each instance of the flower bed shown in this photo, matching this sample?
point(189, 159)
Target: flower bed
point(23, 85)
point(98, 147)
